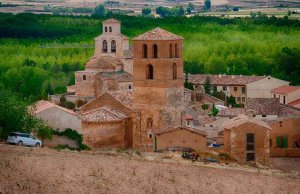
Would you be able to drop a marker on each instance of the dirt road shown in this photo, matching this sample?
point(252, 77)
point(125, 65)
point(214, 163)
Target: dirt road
point(32, 170)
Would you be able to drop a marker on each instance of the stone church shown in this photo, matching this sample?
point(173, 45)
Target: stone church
point(138, 92)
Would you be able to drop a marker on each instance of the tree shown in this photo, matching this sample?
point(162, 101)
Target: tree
point(231, 101)
point(207, 86)
point(44, 132)
point(207, 4)
point(181, 11)
point(188, 10)
point(28, 62)
point(214, 111)
point(235, 9)
point(191, 6)
point(146, 11)
point(204, 107)
point(99, 10)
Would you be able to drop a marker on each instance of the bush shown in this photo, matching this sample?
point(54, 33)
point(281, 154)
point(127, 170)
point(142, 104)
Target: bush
point(224, 156)
point(72, 134)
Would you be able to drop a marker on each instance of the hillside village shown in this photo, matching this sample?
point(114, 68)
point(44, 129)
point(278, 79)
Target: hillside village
point(134, 97)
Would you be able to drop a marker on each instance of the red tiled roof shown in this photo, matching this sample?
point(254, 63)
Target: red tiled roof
point(242, 119)
point(158, 34)
point(125, 97)
point(103, 114)
point(120, 76)
point(295, 102)
point(285, 89)
point(223, 79)
point(286, 110)
point(188, 117)
point(44, 105)
point(111, 20)
point(263, 106)
point(171, 129)
point(105, 62)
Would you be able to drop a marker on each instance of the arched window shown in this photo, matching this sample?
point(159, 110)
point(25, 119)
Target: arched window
point(150, 71)
point(113, 46)
point(149, 123)
point(174, 71)
point(105, 28)
point(104, 46)
point(145, 51)
point(171, 50)
point(110, 29)
point(176, 51)
point(155, 51)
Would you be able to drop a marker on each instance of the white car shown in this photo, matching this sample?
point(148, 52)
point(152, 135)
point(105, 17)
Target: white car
point(23, 139)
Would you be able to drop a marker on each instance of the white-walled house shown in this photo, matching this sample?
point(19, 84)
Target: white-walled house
point(289, 95)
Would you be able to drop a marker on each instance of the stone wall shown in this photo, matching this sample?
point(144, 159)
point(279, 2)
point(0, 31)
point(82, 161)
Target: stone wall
point(235, 142)
point(181, 138)
point(60, 140)
point(290, 128)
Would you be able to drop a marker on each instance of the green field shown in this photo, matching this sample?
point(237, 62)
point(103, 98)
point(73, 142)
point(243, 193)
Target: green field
point(40, 52)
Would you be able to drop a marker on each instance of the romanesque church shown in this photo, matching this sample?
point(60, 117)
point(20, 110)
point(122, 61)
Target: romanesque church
point(137, 92)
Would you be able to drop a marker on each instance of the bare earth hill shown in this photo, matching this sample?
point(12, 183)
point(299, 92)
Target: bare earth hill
point(30, 170)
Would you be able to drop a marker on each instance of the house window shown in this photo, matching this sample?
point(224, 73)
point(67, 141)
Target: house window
point(224, 88)
point(250, 147)
point(264, 115)
point(105, 28)
point(280, 123)
point(176, 51)
point(113, 46)
point(254, 115)
point(243, 90)
point(274, 95)
point(84, 77)
point(238, 99)
point(243, 99)
point(235, 89)
point(188, 122)
point(297, 143)
point(174, 71)
point(150, 135)
point(110, 29)
point(104, 46)
point(129, 87)
point(270, 143)
point(150, 71)
point(282, 142)
point(155, 50)
point(171, 50)
point(145, 51)
point(211, 125)
point(283, 99)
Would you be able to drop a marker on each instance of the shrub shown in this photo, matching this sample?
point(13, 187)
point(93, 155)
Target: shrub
point(224, 156)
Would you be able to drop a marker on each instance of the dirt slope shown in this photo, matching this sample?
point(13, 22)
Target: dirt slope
point(31, 170)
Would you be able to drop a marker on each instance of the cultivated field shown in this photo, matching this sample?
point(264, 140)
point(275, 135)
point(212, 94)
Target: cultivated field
point(30, 170)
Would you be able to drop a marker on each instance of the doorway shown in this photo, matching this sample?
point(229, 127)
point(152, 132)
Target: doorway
point(250, 147)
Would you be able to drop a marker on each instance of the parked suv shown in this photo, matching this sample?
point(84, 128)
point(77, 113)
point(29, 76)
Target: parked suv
point(23, 139)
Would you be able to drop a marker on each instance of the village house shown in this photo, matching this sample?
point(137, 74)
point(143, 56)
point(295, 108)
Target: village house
point(247, 139)
point(285, 137)
point(289, 95)
point(239, 86)
point(57, 117)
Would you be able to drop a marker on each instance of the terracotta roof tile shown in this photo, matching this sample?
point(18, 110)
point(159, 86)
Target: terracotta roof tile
point(120, 76)
point(103, 114)
point(285, 89)
point(295, 102)
point(223, 79)
point(125, 97)
point(232, 112)
point(171, 129)
point(263, 106)
point(44, 105)
point(286, 111)
point(111, 20)
point(158, 34)
point(242, 119)
point(105, 62)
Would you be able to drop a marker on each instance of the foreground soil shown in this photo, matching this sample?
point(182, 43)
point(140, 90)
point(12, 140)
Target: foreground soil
point(32, 170)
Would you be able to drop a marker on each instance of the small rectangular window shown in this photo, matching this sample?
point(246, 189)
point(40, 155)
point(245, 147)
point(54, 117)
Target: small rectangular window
point(282, 142)
point(243, 99)
point(264, 115)
point(235, 89)
point(238, 99)
point(224, 88)
point(270, 143)
point(129, 87)
point(243, 90)
point(84, 77)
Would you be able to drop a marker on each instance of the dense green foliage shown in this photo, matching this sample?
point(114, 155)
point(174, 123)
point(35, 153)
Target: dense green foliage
point(99, 10)
point(72, 134)
point(16, 117)
point(146, 11)
point(39, 53)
